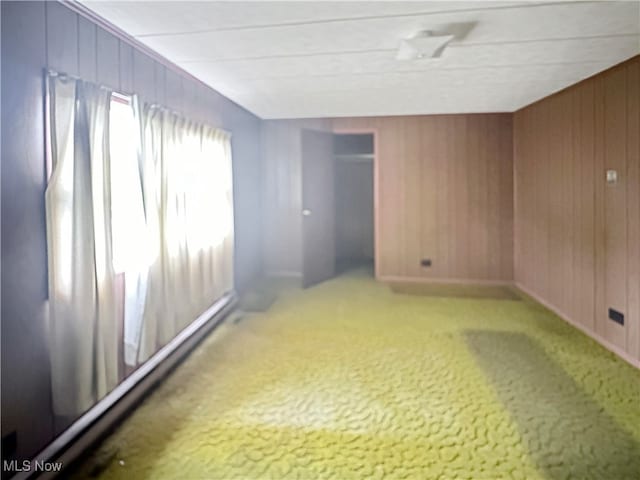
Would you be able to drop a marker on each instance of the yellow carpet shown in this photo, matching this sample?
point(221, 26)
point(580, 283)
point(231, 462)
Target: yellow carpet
point(349, 380)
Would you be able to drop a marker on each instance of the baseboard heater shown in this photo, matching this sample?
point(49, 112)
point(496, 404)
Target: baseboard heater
point(96, 422)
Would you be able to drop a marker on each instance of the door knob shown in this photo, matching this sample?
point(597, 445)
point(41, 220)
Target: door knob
point(306, 212)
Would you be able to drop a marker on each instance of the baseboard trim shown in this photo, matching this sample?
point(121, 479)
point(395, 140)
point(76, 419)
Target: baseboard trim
point(283, 274)
point(93, 425)
point(602, 341)
point(450, 281)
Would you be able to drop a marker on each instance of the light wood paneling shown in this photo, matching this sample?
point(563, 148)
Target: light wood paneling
point(577, 238)
point(444, 193)
point(633, 208)
point(615, 203)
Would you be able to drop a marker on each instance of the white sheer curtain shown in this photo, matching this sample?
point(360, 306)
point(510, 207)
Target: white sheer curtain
point(153, 203)
point(187, 187)
point(131, 254)
point(83, 324)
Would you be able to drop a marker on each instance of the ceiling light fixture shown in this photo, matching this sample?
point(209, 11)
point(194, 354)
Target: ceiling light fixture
point(425, 44)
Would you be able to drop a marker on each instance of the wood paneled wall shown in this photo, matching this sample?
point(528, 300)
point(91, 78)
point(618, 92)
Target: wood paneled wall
point(444, 192)
point(578, 238)
point(282, 194)
point(37, 35)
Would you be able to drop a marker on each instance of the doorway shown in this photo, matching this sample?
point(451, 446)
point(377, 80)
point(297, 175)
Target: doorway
point(354, 231)
point(338, 204)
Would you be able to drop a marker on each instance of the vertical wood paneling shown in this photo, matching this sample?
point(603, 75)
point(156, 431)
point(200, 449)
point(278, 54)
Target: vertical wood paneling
point(489, 232)
point(87, 65)
point(506, 199)
point(599, 192)
point(108, 59)
point(189, 98)
point(282, 225)
point(213, 102)
point(590, 175)
point(126, 67)
point(36, 35)
point(174, 92)
point(160, 75)
point(633, 208)
point(459, 189)
point(444, 192)
point(615, 225)
point(26, 398)
point(428, 205)
point(62, 38)
point(578, 237)
point(144, 80)
point(411, 191)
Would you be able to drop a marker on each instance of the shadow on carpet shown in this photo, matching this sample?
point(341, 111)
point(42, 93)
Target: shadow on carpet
point(566, 432)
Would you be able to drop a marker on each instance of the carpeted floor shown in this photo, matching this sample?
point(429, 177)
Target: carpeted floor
point(349, 380)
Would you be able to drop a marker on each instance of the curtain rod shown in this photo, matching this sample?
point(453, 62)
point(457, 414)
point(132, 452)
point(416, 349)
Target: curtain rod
point(67, 76)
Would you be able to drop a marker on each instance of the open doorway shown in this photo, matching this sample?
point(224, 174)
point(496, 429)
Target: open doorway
point(354, 210)
point(338, 204)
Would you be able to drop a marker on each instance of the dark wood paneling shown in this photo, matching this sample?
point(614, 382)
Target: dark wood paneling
point(318, 197)
point(282, 197)
point(247, 198)
point(189, 98)
point(31, 32)
point(126, 67)
point(144, 78)
point(282, 193)
point(215, 106)
point(174, 91)
point(26, 399)
point(577, 236)
point(108, 59)
point(62, 38)
point(87, 62)
point(160, 94)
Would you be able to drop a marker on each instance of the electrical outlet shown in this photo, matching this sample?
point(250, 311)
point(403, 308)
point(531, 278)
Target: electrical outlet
point(616, 316)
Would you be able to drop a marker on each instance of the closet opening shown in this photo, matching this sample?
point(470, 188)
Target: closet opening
point(354, 201)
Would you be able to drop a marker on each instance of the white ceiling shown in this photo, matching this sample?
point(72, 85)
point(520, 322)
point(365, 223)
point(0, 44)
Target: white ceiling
point(330, 59)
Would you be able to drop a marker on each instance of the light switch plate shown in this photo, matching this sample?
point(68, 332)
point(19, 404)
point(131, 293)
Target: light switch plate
point(612, 177)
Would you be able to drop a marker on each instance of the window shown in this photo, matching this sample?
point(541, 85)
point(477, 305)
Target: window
point(128, 229)
point(139, 232)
